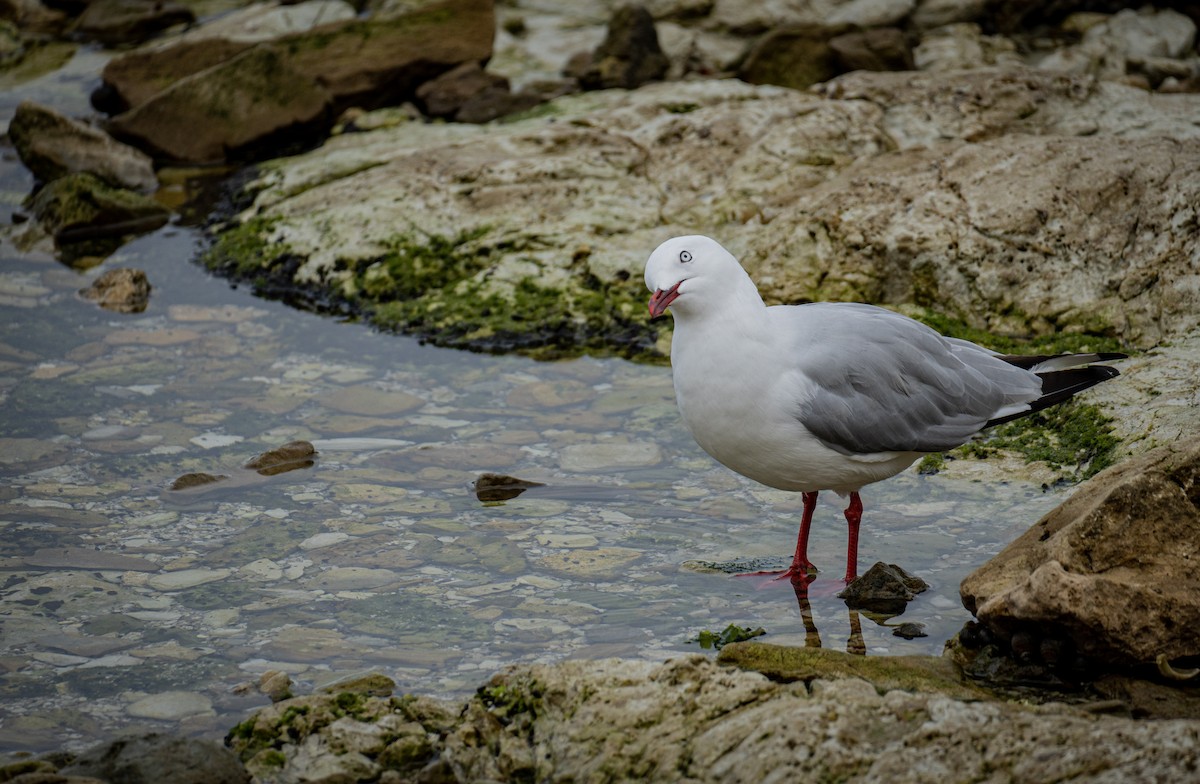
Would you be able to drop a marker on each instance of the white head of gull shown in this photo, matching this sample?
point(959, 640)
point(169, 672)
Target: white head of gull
point(831, 396)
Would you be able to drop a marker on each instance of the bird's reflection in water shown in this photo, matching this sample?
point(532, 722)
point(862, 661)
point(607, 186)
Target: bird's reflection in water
point(812, 636)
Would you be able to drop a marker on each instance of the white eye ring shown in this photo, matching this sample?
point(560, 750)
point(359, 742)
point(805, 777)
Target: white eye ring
point(685, 256)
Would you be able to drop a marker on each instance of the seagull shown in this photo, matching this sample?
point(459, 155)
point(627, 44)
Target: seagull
point(831, 395)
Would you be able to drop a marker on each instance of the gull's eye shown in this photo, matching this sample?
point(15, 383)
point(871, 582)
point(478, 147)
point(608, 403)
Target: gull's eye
point(684, 256)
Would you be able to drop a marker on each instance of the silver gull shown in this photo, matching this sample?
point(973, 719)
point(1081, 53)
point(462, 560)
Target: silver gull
point(831, 396)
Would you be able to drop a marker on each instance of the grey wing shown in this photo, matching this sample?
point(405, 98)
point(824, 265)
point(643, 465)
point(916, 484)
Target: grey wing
point(886, 383)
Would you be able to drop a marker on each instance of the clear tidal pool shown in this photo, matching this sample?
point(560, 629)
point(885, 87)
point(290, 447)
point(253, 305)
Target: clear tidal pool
point(126, 607)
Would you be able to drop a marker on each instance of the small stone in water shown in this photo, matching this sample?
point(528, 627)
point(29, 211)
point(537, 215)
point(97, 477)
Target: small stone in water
point(197, 479)
point(501, 487)
point(122, 290)
point(885, 588)
point(910, 630)
point(290, 456)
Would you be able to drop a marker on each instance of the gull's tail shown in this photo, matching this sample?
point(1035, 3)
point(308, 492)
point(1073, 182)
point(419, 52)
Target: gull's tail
point(1063, 376)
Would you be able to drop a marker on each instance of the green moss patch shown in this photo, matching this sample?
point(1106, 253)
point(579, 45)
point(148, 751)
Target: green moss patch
point(1058, 343)
point(1075, 436)
point(436, 288)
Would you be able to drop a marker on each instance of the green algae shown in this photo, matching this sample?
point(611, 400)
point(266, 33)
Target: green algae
point(786, 664)
point(1097, 338)
point(438, 288)
point(245, 250)
point(1073, 435)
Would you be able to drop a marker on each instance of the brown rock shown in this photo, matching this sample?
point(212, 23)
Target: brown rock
point(196, 479)
point(122, 290)
point(52, 145)
point(467, 94)
point(1113, 568)
point(218, 112)
point(796, 56)
point(290, 456)
point(134, 78)
point(114, 22)
point(630, 55)
point(294, 85)
point(877, 49)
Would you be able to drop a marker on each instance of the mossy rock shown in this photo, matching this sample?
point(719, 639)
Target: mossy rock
point(927, 674)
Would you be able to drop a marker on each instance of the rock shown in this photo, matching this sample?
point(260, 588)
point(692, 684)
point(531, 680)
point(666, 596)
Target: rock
point(290, 87)
point(371, 684)
point(948, 229)
point(113, 22)
point(196, 479)
point(1152, 42)
point(797, 56)
point(80, 207)
point(1113, 568)
point(490, 488)
point(52, 145)
point(32, 16)
point(933, 188)
point(160, 758)
point(877, 49)
point(930, 14)
point(630, 55)
point(121, 290)
point(265, 21)
point(133, 78)
point(276, 684)
point(884, 589)
point(871, 13)
point(822, 715)
point(289, 457)
point(961, 47)
point(244, 100)
point(470, 94)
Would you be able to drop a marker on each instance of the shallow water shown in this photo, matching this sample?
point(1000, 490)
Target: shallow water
point(128, 607)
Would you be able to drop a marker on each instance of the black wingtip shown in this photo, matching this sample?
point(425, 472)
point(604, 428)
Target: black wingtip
point(1061, 385)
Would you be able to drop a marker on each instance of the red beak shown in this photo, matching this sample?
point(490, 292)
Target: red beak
point(662, 299)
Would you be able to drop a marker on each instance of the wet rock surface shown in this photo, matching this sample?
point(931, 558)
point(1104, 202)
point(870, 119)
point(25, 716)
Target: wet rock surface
point(1112, 570)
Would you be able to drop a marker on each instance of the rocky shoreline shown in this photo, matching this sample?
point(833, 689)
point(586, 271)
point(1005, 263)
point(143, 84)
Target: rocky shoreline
point(993, 166)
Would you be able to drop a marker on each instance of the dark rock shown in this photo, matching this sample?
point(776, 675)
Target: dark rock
point(885, 589)
point(1112, 570)
point(122, 290)
point(80, 207)
point(160, 759)
point(470, 94)
point(796, 56)
point(52, 145)
point(500, 487)
point(910, 630)
point(113, 22)
point(289, 457)
point(877, 49)
point(629, 56)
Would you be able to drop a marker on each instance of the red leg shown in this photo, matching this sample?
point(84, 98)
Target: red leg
point(798, 571)
point(853, 518)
